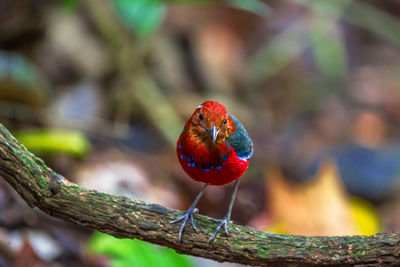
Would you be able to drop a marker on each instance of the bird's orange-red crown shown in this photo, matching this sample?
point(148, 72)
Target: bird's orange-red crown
point(207, 115)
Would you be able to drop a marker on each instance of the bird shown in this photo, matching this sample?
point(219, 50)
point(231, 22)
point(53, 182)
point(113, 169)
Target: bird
point(214, 148)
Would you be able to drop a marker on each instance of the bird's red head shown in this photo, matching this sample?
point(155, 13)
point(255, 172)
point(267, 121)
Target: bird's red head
point(210, 123)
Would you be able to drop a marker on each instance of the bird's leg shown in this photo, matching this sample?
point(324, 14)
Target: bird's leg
point(227, 219)
point(189, 213)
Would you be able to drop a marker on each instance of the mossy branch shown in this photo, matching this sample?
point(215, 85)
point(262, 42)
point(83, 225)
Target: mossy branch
point(123, 217)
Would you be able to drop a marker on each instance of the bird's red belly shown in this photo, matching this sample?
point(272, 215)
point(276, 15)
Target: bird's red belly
point(230, 170)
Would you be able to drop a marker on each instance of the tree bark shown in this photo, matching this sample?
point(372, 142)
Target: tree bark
point(123, 217)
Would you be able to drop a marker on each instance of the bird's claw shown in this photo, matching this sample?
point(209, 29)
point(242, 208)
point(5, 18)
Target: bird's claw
point(187, 216)
point(223, 222)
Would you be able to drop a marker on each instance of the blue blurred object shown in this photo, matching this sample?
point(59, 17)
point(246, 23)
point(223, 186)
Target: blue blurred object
point(79, 106)
point(371, 173)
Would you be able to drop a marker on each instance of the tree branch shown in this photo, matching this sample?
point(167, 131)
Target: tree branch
point(123, 217)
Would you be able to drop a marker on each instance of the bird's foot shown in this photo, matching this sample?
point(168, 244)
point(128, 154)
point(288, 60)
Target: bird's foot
point(188, 216)
point(223, 222)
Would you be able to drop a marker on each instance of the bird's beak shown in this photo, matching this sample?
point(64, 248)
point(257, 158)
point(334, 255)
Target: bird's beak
point(214, 133)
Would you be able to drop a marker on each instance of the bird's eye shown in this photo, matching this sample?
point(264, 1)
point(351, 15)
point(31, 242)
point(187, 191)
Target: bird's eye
point(201, 118)
point(225, 121)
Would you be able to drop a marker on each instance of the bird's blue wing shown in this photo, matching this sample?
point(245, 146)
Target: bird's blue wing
point(240, 140)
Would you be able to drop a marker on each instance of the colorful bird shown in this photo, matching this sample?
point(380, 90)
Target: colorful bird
point(214, 148)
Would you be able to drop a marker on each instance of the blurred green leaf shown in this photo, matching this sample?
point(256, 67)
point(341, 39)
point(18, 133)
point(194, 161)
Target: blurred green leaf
point(163, 115)
point(189, 1)
point(326, 41)
point(328, 47)
point(142, 16)
point(20, 80)
point(69, 5)
point(377, 21)
point(134, 252)
point(326, 8)
point(280, 51)
point(253, 6)
point(54, 142)
point(359, 13)
point(15, 67)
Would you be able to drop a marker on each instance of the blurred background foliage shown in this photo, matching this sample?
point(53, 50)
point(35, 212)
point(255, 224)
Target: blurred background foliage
point(101, 89)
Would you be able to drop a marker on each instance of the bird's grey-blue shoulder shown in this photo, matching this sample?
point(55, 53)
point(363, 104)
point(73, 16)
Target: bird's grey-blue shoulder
point(240, 140)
